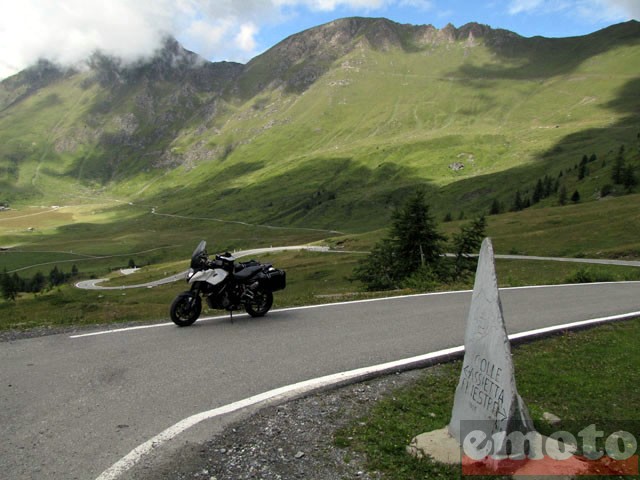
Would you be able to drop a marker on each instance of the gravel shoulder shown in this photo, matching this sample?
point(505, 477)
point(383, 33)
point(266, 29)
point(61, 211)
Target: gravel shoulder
point(293, 440)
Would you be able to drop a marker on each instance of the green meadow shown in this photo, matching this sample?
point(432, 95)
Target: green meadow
point(99, 173)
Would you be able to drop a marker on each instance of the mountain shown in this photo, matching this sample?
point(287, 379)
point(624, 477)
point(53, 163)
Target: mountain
point(331, 127)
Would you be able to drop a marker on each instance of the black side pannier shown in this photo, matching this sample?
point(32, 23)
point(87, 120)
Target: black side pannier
point(273, 279)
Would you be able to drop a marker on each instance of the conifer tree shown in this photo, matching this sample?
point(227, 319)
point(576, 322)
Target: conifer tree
point(413, 243)
point(562, 195)
point(518, 203)
point(538, 192)
point(8, 287)
point(617, 172)
point(575, 198)
point(629, 179)
point(496, 207)
point(466, 243)
point(415, 234)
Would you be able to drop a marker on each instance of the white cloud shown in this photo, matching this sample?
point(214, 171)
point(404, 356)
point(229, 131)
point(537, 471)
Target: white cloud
point(245, 39)
point(419, 4)
point(520, 6)
point(591, 10)
point(68, 31)
point(330, 5)
point(618, 9)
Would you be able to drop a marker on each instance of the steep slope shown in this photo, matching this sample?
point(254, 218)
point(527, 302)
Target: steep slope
point(329, 128)
point(473, 113)
point(102, 123)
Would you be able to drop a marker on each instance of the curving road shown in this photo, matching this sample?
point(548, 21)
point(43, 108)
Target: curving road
point(73, 406)
point(95, 284)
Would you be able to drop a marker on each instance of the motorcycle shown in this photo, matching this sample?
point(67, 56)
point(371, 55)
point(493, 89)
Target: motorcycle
point(226, 285)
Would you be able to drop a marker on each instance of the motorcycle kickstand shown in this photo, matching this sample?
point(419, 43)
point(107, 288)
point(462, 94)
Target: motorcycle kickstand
point(231, 315)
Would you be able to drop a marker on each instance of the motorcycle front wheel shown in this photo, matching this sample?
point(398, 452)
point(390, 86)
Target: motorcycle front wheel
point(185, 309)
point(260, 304)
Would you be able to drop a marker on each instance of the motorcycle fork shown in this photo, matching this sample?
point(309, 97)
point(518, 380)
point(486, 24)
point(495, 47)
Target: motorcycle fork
point(195, 290)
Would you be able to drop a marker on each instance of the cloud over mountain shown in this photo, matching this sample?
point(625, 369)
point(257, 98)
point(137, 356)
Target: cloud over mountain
point(68, 31)
point(611, 10)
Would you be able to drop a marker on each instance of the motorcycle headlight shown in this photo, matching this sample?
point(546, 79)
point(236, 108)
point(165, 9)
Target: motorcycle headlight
point(190, 273)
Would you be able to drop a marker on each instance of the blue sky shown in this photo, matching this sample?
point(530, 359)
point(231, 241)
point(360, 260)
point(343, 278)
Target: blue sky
point(67, 31)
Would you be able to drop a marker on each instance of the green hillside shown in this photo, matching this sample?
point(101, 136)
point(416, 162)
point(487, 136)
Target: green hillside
point(379, 122)
point(328, 130)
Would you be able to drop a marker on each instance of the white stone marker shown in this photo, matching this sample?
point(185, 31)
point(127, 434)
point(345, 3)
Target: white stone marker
point(486, 398)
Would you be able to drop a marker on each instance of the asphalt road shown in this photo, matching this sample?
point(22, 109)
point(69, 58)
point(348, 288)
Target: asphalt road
point(71, 407)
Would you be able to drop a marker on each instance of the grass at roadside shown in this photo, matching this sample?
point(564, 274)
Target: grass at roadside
point(584, 377)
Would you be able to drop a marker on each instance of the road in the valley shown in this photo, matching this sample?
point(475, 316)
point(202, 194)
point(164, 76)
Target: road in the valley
point(71, 407)
point(96, 284)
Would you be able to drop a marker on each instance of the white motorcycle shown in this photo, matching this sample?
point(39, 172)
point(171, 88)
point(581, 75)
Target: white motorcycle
point(226, 285)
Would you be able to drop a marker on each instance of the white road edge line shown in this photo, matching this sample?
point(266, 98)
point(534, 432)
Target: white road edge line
point(307, 386)
point(336, 304)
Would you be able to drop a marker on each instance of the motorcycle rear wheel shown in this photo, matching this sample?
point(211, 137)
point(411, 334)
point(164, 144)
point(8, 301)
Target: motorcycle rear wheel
point(260, 304)
point(185, 309)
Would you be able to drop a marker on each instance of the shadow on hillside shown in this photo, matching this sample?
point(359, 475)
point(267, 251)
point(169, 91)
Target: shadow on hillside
point(540, 57)
point(325, 193)
point(560, 160)
point(344, 194)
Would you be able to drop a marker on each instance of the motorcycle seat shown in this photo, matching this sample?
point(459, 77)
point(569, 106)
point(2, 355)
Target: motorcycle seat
point(247, 272)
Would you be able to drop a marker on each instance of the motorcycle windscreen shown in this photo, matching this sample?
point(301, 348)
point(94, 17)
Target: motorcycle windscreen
point(196, 256)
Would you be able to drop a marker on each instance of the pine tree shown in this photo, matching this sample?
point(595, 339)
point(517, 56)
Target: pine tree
point(378, 271)
point(415, 234)
point(618, 169)
point(629, 179)
point(496, 207)
point(538, 192)
point(518, 203)
point(38, 282)
point(413, 243)
point(548, 185)
point(8, 287)
point(575, 198)
point(18, 282)
point(562, 195)
point(466, 243)
point(56, 277)
point(583, 171)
